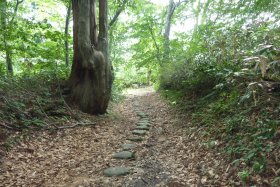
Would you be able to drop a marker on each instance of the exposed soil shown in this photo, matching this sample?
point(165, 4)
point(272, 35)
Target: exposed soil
point(172, 154)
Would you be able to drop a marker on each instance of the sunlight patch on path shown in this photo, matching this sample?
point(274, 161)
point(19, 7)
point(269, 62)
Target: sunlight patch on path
point(132, 92)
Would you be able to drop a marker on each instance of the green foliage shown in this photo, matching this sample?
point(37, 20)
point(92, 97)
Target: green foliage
point(244, 175)
point(227, 74)
point(34, 42)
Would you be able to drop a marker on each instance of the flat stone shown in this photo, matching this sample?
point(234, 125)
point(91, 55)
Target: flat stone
point(124, 155)
point(143, 124)
point(142, 127)
point(139, 132)
point(142, 114)
point(128, 146)
point(116, 171)
point(144, 119)
point(135, 139)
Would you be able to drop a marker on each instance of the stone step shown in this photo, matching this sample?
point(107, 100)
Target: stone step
point(142, 114)
point(139, 132)
point(128, 146)
point(143, 123)
point(142, 127)
point(135, 139)
point(124, 155)
point(116, 171)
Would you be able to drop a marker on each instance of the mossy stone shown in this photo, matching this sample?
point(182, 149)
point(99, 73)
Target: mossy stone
point(128, 146)
point(124, 155)
point(144, 120)
point(139, 132)
point(135, 139)
point(116, 171)
point(142, 127)
point(143, 124)
point(141, 114)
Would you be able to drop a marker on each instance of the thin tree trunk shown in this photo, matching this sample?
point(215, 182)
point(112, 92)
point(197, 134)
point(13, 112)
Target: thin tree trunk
point(6, 25)
point(9, 65)
point(197, 14)
point(66, 35)
point(155, 43)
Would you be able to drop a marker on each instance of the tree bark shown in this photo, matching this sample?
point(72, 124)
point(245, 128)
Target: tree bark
point(104, 46)
point(90, 75)
point(68, 15)
point(9, 64)
point(170, 11)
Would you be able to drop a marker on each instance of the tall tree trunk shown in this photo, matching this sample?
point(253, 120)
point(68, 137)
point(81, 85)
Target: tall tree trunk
point(90, 76)
point(170, 11)
point(104, 45)
point(68, 15)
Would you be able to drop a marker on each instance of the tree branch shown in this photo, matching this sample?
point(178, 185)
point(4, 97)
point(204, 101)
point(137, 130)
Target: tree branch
point(119, 11)
point(15, 11)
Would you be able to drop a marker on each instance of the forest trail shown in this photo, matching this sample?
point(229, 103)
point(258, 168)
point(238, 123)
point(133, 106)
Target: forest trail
point(170, 154)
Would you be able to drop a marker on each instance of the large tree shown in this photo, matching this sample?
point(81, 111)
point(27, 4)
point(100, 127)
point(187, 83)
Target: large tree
point(91, 77)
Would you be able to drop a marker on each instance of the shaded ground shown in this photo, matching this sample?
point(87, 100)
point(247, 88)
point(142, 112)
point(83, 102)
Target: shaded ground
point(171, 154)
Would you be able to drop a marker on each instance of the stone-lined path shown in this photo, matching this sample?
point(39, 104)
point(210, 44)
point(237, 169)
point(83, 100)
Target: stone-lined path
point(142, 142)
point(141, 129)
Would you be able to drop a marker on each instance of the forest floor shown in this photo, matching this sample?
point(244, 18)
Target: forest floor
point(172, 153)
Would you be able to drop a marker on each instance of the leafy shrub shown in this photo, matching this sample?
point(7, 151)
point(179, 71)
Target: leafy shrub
point(230, 82)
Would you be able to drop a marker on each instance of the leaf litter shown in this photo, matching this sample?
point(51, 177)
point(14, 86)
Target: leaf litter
point(172, 154)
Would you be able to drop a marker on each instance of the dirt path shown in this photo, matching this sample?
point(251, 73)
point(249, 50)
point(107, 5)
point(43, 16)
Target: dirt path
point(170, 154)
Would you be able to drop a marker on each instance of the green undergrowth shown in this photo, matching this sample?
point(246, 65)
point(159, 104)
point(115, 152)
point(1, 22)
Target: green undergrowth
point(232, 90)
point(33, 102)
point(247, 125)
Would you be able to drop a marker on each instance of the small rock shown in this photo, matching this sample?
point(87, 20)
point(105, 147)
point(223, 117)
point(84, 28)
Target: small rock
point(124, 155)
point(135, 139)
point(116, 171)
point(139, 132)
point(128, 146)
